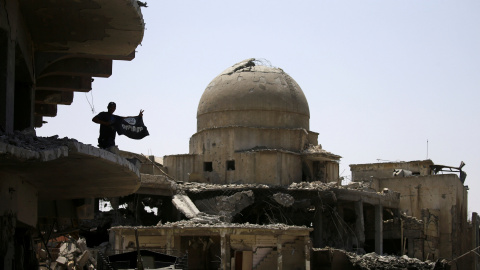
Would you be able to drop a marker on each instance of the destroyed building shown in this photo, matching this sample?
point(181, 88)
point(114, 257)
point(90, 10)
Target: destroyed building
point(256, 188)
point(255, 191)
point(433, 196)
point(48, 51)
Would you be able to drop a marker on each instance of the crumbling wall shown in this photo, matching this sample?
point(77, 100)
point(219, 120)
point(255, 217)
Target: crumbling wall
point(413, 233)
point(430, 219)
point(443, 196)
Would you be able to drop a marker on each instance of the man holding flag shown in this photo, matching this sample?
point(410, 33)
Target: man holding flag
point(110, 124)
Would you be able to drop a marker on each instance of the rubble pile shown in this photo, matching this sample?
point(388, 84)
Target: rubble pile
point(363, 186)
point(192, 223)
point(316, 185)
point(73, 255)
point(375, 261)
point(28, 140)
point(200, 187)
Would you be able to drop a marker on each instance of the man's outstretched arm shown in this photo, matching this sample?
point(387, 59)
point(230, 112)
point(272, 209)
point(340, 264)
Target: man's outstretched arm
point(97, 120)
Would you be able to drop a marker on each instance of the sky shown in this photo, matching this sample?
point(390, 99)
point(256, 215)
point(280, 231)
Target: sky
point(385, 80)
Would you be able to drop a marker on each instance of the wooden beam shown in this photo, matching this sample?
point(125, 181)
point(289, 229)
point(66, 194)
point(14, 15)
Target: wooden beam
point(46, 110)
point(53, 97)
point(65, 83)
point(79, 67)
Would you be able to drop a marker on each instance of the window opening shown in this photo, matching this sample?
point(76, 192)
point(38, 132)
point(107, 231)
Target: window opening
point(230, 165)
point(207, 167)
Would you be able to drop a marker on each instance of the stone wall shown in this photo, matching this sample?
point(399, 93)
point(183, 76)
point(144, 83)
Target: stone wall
point(444, 196)
point(260, 167)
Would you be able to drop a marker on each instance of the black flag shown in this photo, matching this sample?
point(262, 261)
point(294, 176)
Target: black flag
point(131, 127)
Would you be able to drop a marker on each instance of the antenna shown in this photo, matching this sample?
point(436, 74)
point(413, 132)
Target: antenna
point(427, 148)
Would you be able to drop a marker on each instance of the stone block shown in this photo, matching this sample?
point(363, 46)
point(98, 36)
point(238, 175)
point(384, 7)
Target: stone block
point(83, 259)
point(62, 260)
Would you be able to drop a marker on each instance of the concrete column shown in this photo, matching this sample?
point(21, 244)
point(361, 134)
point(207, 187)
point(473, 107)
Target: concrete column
point(306, 241)
point(359, 224)
point(279, 253)
point(317, 227)
point(225, 251)
point(379, 229)
point(7, 80)
point(169, 242)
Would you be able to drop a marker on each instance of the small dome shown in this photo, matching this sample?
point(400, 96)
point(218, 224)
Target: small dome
point(252, 95)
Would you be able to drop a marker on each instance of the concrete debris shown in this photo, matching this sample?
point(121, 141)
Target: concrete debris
point(72, 255)
point(317, 149)
point(317, 185)
point(286, 200)
point(203, 218)
point(366, 186)
point(191, 223)
point(375, 261)
point(242, 66)
point(226, 206)
point(195, 187)
point(28, 140)
point(62, 260)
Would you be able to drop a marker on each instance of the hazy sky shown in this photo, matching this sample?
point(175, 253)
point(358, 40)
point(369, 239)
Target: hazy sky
point(381, 77)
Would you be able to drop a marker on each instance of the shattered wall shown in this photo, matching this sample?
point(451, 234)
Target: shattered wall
point(434, 199)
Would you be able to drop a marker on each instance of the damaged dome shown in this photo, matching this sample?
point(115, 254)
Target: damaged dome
point(252, 95)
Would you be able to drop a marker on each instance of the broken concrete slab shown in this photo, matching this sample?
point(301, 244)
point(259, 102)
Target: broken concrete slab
point(185, 206)
point(284, 199)
point(80, 170)
point(226, 206)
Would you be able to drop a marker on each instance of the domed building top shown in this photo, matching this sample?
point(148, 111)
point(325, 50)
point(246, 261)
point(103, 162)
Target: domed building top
point(252, 95)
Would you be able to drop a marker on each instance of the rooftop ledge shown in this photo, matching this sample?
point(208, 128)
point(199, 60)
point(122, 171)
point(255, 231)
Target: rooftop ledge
point(69, 171)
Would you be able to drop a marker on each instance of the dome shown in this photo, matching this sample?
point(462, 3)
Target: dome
point(252, 95)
